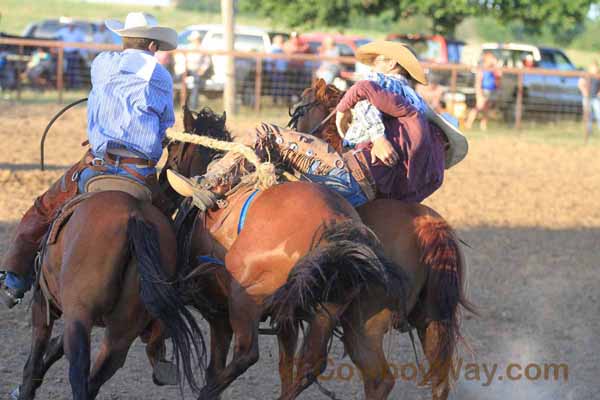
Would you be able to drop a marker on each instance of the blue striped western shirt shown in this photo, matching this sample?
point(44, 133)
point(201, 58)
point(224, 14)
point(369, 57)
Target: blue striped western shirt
point(130, 105)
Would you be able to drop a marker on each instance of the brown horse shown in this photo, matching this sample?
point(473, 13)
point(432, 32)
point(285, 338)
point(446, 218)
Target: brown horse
point(299, 241)
point(416, 238)
point(112, 264)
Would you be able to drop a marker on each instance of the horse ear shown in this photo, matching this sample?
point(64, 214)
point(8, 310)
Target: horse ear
point(320, 89)
point(188, 119)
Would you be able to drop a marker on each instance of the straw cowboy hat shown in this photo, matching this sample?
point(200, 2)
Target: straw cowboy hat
point(142, 25)
point(394, 51)
point(457, 142)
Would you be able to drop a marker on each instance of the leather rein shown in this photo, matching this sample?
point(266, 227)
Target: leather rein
point(301, 110)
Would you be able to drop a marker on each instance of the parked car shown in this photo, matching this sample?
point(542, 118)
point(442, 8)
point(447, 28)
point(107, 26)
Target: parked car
point(541, 93)
point(246, 39)
point(438, 49)
point(49, 28)
point(347, 45)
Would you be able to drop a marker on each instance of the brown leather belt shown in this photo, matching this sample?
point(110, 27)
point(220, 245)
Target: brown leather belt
point(122, 162)
point(359, 168)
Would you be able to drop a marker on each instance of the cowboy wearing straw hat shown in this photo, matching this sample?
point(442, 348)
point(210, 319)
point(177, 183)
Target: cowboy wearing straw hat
point(408, 152)
point(130, 107)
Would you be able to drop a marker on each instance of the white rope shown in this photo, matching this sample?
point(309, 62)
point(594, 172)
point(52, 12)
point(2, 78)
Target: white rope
point(265, 171)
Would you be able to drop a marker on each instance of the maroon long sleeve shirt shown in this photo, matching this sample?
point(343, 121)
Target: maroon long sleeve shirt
point(420, 170)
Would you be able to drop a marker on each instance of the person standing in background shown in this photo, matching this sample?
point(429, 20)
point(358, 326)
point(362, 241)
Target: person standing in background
point(590, 100)
point(73, 55)
point(486, 84)
point(197, 66)
point(276, 69)
point(328, 70)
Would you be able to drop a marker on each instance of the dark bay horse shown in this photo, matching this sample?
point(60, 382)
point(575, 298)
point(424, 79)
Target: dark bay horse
point(113, 265)
point(302, 254)
point(419, 240)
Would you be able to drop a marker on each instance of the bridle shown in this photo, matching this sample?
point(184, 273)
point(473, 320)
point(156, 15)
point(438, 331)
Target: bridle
point(301, 110)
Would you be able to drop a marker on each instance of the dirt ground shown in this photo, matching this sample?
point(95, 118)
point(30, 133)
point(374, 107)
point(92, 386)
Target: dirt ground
point(530, 212)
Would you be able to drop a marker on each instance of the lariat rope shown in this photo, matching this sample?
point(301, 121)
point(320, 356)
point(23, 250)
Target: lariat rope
point(265, 171)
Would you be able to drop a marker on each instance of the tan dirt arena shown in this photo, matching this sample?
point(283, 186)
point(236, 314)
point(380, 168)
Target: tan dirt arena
point(530, 212)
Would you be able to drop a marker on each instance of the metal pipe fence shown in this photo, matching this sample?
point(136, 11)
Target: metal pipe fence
point(265, 80)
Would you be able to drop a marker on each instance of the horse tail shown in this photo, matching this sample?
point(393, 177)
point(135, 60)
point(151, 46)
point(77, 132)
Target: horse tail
point(162, 300)
point(444, 290)
point(345, 260)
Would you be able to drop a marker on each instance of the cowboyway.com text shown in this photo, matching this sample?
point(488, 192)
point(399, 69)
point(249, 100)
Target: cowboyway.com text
point(486, 373)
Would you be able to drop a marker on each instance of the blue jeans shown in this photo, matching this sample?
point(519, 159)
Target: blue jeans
point(339, 180)
point(89, 173)
point(594, 113)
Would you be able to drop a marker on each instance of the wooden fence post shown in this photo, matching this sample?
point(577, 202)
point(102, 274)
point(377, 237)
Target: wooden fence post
point(183, 91)
point(19, 72)
point(258, 83)
point(519, 103)
point(453, 77)
point(59, 73)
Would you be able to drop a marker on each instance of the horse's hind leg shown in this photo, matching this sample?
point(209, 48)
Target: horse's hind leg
point(438, 349)
point(245, 318)
point(78, 326)
point(36, 366)
point(313, 356)
point(220, 340)
point(288, 340)
point(364, 344)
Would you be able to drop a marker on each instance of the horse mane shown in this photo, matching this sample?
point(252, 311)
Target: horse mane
point(329, 96)
point(206, 123)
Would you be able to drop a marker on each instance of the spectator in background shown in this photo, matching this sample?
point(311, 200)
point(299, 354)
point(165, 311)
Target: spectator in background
point(276, 69)
point(197, 67)
point(433, 93)
point(40, 68)
point(101, 36)
point(74, 57)
point(589, 91)
point(486, 84)
point(328, 70)
point(299, 71)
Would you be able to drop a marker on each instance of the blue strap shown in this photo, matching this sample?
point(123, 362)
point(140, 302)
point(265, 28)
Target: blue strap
point(245, 208)
point(211, 260)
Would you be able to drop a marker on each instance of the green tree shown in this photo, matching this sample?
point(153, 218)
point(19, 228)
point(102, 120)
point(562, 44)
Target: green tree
point(564, 20)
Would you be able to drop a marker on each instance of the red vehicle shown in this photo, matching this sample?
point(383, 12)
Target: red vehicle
point(432, 48)
point(347, 44)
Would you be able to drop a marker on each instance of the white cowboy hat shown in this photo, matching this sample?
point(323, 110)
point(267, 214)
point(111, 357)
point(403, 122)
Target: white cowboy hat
point(142, 25)
point(458, 145)
point(396, 51)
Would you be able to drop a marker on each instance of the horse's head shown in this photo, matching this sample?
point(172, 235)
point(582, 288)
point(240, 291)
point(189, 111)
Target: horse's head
point(316, 103)
point(190, 159)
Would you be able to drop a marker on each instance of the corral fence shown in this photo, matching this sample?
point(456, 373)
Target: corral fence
point(264, 80)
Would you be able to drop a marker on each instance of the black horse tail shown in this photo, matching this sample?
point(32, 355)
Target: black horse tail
point(345, 260)
point(163, 301)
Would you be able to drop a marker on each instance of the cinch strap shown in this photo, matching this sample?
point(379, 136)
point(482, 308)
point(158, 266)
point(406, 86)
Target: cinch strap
point(245, 208)
point(211, 260)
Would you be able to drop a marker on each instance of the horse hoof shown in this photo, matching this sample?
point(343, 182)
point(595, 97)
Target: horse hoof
point(14, 395)
point(165, 374)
